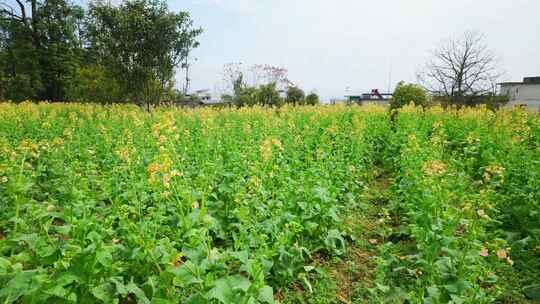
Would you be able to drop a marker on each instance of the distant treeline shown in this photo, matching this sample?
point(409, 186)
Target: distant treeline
point(57, 51)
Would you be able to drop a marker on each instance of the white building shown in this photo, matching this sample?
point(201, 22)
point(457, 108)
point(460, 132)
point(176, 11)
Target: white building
point(207, 98)
point(526, 93)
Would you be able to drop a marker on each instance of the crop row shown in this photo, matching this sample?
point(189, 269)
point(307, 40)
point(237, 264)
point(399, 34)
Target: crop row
point(113, 204)
point(467, 183)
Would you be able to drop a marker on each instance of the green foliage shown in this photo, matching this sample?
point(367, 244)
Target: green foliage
point(40, 55)
point(268, 95)
point(457, 185)
point(312, 99)
point(94, 84)
point(404, 94)
point(264, 95)
point(113, 204)
point(142, 42)
point(133, 50)
point(247, 96)
point(295, 96)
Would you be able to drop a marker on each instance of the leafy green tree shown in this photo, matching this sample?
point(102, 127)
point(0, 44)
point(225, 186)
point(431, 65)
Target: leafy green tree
point(142, 42)
point(93, 83)
point(248, 96)
point(60, 52)
point(312, 99)
point(407, 93)
point(19, 66)
point(295, 96)
point(40, 48)
point(268, 95)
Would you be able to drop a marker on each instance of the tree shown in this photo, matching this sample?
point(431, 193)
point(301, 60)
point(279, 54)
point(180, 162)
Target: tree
point(268, 95)
point(20, 76)
point(233, 77)
point(94, 84)
point(264, 74)
point(295, 96)
point(312, 99)
point(461, 67)
point(142, 42)
point(261, 88)
point(59, 48)
point(247, 96)
point(40, 48)
point(407, 93)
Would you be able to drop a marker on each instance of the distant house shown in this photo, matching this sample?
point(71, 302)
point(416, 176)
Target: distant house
point(369, 98)
point(526, 93)
point(205, 97)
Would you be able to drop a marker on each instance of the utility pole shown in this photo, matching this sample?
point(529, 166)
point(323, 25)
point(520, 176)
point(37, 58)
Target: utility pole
point(186, 65)
point(390, 77)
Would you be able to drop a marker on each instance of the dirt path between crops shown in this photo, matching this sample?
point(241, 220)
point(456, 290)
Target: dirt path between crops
point(347, 279)
point(355, 274)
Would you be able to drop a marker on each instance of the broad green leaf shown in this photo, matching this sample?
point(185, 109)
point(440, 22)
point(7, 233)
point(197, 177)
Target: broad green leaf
point(139, 293)
point(23, 283)
point(104, 257)
point(532, 292)
point(228, 289)
point(266, 294)
point(103, 292)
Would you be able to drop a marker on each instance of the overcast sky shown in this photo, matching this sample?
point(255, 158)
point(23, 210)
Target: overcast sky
point(328, 45)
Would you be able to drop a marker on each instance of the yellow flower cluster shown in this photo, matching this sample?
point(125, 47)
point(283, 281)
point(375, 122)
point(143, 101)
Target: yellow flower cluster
point(160, 167)
point(502, 254)
point(123, 153)
point(254, 183)
point(268, 146)
point(493, 171)
point(434, 168)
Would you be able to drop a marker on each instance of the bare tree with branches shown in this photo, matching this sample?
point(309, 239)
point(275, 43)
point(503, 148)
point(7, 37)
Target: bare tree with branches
point(235, 74)
point(263, 74)
point(462, 66)
point(232, 76)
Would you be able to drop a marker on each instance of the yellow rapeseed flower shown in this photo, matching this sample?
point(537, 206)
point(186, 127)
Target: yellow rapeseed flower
point(434, 168)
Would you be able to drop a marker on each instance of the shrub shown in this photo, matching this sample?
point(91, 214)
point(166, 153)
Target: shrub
point(312, 99)
point(295, 95)
point(407, 93)
point(94, 84)
point(268, 95)
point(247, 96)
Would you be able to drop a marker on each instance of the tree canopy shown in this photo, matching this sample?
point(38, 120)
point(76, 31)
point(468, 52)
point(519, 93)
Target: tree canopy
point(58, 51)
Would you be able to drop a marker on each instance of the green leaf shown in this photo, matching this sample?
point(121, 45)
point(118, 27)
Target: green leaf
point(4, 265)
point(61, 292)
point(63, 230)
point(197, 299)
point(104, 257)
point(307, 284)
point(139, 293)
point(228, 289)
point(532, 292)
point(104, 292)
point(266, 294)
point(23, 283)
point(242, 256)
point(186, 274)
point(434, 292)
point(45, 251)
point(457, 299)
